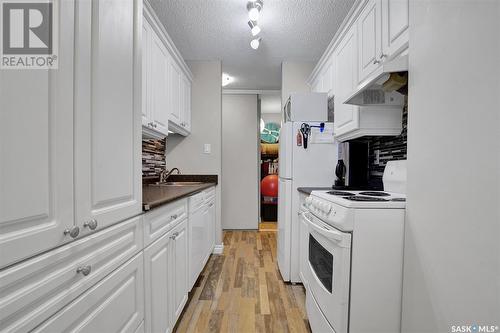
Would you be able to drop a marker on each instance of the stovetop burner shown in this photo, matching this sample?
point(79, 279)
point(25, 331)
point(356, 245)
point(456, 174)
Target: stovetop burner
point(343, 193)
point(399, 199)
point(375, 194)
point(360, 198)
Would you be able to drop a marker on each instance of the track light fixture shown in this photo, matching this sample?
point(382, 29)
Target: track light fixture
point(254, 8)
point(254, 27)
point(255, 43)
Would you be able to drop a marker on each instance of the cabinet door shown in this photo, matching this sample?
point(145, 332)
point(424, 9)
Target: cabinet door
point(212, 217)
point(115, 304)
point(369, 39)
point(186, 106)
point(175, 92)
point(328, 79)
point(160, 101)
point(36, 152)
point(179, 278)
point(147, 36)
point(346, 116)
point(197, 240)
point(157, 271)
point(108, 120)
point(395, 23)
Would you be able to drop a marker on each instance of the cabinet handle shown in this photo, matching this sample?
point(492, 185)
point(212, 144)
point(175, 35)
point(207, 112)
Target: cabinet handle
point(73, 232)
point(92, 224)
point(85, 270)
point(382, 56)
point(211, 205)
point(173, 217)
point(375, 62)
point(174, 235)
point(155, 125)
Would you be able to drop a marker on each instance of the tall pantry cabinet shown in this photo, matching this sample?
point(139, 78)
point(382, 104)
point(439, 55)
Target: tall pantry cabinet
point(70, 138)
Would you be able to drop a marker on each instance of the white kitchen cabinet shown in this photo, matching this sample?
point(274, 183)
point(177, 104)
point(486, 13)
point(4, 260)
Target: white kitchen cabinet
point(108, 184)
point(166, 83)
point(155, 91)
point(115, 304)
point(165, 263)
point(186, 103)
point(346, 116)
point(35, 289)
point(179, 277)
point(160, 91)
point(175, 82)
point(395, 23)
point(36, 152)
point(147, 39)
point(369, 39)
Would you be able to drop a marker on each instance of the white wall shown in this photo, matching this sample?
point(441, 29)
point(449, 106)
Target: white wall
point(186, 153)
point(294, 75)
point(452, 243)
point(240, 164)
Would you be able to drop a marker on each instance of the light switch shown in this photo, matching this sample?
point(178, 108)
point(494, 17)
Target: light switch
point(207, 148)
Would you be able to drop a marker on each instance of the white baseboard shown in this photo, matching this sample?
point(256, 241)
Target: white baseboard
point(219, 248)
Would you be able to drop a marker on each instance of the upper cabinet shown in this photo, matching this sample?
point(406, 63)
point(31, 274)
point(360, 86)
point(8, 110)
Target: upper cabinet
point(71, 151)
point(36, 152)
point(107, 120)
point(166, 86)
point(346, 116)
point(376, 32)
point(369, 39)
point(395, 24)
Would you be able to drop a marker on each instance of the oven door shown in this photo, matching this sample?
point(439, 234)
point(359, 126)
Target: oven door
point(329, 262)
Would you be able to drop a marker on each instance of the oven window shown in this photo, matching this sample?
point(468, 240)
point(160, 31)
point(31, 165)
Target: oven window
point(322, 262)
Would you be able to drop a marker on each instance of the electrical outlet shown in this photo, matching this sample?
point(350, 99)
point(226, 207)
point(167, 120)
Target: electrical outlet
point(207, 148)
point(377, 157)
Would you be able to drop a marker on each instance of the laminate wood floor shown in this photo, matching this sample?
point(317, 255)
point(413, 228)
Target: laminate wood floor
point(241, 291)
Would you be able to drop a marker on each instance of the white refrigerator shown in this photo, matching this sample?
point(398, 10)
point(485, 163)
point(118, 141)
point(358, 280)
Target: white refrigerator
point(300, 167)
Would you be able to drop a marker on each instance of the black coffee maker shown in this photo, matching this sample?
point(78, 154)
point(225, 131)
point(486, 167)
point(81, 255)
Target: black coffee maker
point(340, 171)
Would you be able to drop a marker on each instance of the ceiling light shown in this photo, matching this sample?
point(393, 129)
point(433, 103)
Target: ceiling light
point(255, 28)
point(255, 43)
point(254, 8)
point(226, 79)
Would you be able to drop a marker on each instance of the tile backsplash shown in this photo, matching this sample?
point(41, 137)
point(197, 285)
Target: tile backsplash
point(153, 157)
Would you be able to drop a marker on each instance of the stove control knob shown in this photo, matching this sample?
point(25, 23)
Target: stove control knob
point(328, 209)
point(323, 207)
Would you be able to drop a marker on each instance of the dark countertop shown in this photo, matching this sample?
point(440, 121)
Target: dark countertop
point(155, 196)
point(308, 190)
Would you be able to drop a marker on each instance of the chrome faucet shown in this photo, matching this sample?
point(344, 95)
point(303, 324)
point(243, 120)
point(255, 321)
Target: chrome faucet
point(164, 174)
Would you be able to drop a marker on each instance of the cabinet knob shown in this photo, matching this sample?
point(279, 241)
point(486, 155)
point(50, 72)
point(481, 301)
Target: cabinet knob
point(92, 224)
point(174, 235)
point(375, 62)
point(382, 56)
point(85, 270)
point(155, 125)
point(73, 232)
point(173, 217)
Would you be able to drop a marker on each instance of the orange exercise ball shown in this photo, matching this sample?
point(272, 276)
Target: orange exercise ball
point(269, 186)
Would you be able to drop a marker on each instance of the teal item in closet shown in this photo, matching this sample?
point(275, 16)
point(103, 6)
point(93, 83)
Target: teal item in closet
point(270, 133)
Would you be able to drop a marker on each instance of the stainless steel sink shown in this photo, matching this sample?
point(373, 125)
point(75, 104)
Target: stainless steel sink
point(177, 184)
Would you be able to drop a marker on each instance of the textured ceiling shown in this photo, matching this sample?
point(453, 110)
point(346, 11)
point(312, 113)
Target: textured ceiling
point(297, 30)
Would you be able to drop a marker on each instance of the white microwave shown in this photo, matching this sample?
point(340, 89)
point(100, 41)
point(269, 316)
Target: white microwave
point(306, 107)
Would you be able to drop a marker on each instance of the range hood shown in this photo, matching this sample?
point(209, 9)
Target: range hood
point(380, 87)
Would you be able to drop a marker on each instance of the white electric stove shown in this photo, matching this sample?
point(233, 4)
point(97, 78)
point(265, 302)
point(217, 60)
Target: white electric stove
point(354, 254)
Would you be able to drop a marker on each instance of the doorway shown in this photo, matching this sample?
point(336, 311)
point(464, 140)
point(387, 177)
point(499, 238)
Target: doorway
point(269, 109)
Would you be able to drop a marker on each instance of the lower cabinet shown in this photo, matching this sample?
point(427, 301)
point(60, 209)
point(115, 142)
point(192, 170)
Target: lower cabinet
point(115, 304)
point(165, 272)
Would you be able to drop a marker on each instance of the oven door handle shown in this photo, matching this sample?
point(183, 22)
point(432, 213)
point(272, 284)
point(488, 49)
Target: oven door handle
point(331, 234)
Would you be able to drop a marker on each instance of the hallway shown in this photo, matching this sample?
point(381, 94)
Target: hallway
point(242, 291)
